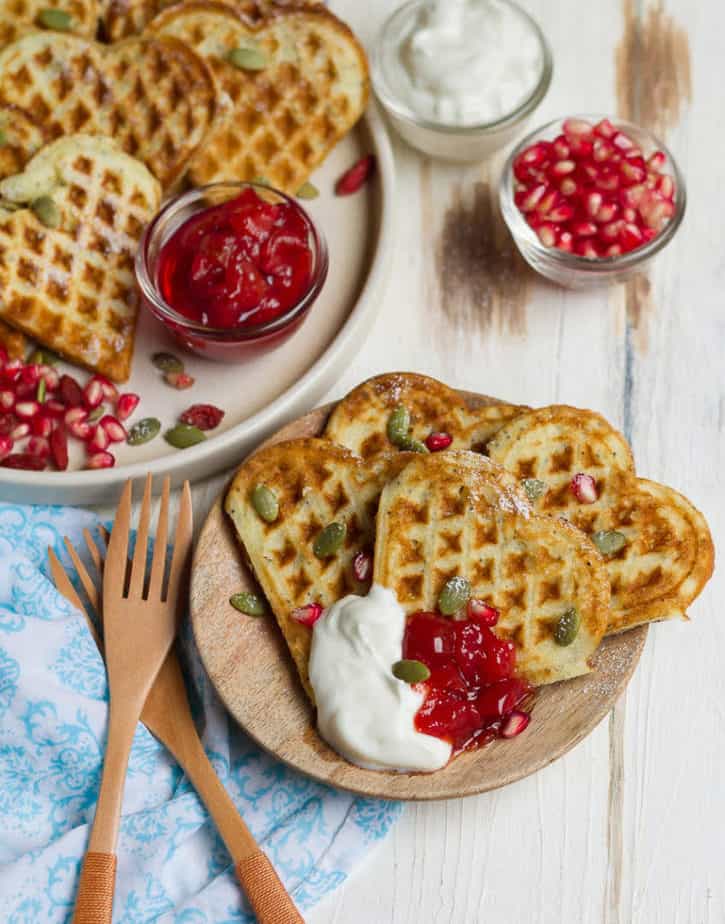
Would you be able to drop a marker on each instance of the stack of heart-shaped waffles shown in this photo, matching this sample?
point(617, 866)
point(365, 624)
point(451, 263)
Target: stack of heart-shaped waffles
point(207, 92)
point(550, 521)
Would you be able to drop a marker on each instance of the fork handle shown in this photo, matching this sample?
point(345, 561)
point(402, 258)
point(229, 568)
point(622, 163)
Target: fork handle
point(94, 901)
point(267, 895)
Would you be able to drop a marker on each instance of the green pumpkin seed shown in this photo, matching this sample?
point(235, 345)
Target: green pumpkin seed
point(307, 191)
point(248, 603)
point(96, 414)
point(265, 502)
point(411, 445)
point(55, 19)
point(399, 425)
point(3, 138)
point(8, 206)
point(182, 436)
point(46, 211)
point(260, 180)
point(534, 488)
point(143, 431)
point(609, 541)
point(329, 540)
point(44, 357)
point(247, 59)
point(454, 595)
point(410, 671)
point(40, 394)
point(568, 627)
point(167, 362)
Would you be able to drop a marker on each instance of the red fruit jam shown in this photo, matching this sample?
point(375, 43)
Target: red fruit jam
point(472, 689)
point(238, 264)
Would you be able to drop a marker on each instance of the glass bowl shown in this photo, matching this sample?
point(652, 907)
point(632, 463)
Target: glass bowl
point(569, 269)
point(223, 344)
point(461, 144)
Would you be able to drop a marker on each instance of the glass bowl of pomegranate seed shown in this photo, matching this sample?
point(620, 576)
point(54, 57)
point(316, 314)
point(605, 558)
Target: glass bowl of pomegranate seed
point(231, 268)
point(589, 200)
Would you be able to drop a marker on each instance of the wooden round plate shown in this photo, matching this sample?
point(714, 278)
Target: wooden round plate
point(248, 663)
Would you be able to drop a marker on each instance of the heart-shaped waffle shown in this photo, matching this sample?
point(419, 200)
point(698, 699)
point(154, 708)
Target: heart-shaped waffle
point(153, 95)
point(21, 137)
point(72, 286)
point(316, 483)
point(360, 420)
point(455, 514)
point(281, 120)
point(19, 18)
point(667, 555)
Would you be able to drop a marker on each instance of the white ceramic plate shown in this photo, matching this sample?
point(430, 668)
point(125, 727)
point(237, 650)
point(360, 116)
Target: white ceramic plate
point(260, 394)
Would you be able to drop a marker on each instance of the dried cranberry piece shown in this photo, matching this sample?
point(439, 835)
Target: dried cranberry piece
point(202, 416)
point(356, 177)
point(23, 460)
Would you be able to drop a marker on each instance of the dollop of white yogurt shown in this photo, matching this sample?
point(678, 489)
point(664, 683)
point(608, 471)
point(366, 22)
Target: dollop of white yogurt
point(468, 62)
point(363, 711)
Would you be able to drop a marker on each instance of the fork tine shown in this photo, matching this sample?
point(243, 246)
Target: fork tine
point(64, 586)
point(117, 552)
point(86, 580)
point(182, 541)
point(138, 565)
point(105, 535)
point(96, 556)
point(158, 564)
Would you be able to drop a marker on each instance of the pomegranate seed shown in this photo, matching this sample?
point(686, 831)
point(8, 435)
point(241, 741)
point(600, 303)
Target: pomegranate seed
point(179, 380)
point(561, 213)
point(54, 408)
point(563, 168)
point(566, 241)
point(648, 234)
point(11, 370)
point(561, 147)
point(80, 429)
point(657, 161)
point(665, 186)
point(101, 460)
point(113, 428)
point(515, 723)
point(580, 147)
point(602, 151)
point(126, 405)
point(587, 248)
point(203, 416)
point(482, 611)
point(29, 375)
point(51, 377)
point(630, 236)
point(92, 393)
point(614, 251)
point(568, 187)
point(607, 212)
point(41, 425)
point(611, 231)
point(548, 202)
point(593, 202)
point(354, 178)
point(6, 446)
point(98, 440)
point(536, 154)
point(38, 446)
point(71, 393)
point(307, 615)
point(547, 235)
point(583, 228)
point(7, 400)
point(23, 460)
point(438, 440)
point(75, 415)
point(59, 448)
point(531, 200)
point(632, 172)
point(362, 566)
point(605, 129)
point(19, 431)
point(7, 423)
point(577, 128)
point(584, 488)
point(26, 410)
point(622, 142)
point(110, 392)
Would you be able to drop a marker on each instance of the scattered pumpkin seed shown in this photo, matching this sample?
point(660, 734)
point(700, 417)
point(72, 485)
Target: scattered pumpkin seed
point(46, 211)
point(8, 206)
point(3, 138)
point(143, 431)
point(248, 603)
point(167, 362)
point(609, 541)
point(260, 180)
point(411, 445)
point(454, 595)
point(247, 59)
point(96, 414)
point(399, 425)
point(40, 394)
point(329, 540)
point(568, 627)
point(265, 502)
point(307, 191)
point(534, 488)
point(410, 671)
point(55, 19)
point(182, 436)
point(43, 357)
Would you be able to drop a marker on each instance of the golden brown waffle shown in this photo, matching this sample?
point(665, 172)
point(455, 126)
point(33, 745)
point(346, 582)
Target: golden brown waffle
point(21, 137)
point(451, 514)
point(14, 343)
point(316, 483)
point(484, 424)
point(668, 555)
point(282, 121)
point(155, 96)
point(72, 288)
point(20, 17)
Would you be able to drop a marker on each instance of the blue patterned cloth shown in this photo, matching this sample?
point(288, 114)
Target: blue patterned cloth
point(172, 865)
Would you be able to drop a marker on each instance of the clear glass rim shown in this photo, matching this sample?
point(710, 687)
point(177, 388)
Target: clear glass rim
point(150, 292)
point(401, 111)
point(520, 229)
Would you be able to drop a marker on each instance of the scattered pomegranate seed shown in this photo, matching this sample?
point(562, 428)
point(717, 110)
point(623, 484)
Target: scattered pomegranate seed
point(59, 448)
point(75, 415)
point(71, 393)
point(356, 177)
point(54, 408)
point(438, 440)
point(110, 392)
point(515, 723)
point(20, 431)
point(479, 610)
point(92, 393)
point(362, 565)
point(23, 460)
point(7, 399)
point(26, 410)
point(80, 429)
point(307, 615)
point(584, 488)
point(6, 446)
point(98, 440)
point(38, 446)
point(114, 429)
point(41, 425)
point(101, 460)
point(51, 377)
point(203, 416)
point(179, 380)
point(126, 405)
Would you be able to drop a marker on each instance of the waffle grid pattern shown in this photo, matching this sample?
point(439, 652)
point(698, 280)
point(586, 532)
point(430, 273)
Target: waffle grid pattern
point(20, 17)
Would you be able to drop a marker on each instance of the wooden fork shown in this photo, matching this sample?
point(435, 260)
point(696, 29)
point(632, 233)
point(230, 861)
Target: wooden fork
point(167, 715)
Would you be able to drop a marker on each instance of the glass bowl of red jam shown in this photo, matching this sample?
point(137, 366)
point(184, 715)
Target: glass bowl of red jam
point(231, 268)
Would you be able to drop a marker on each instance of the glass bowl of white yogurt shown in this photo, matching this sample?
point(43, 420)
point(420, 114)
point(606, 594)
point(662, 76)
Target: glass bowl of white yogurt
point(458, 78)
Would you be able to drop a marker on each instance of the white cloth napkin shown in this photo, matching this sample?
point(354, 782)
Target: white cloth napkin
point(172, 865)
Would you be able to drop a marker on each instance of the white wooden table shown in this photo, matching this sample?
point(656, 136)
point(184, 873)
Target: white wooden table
point(630, 826)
